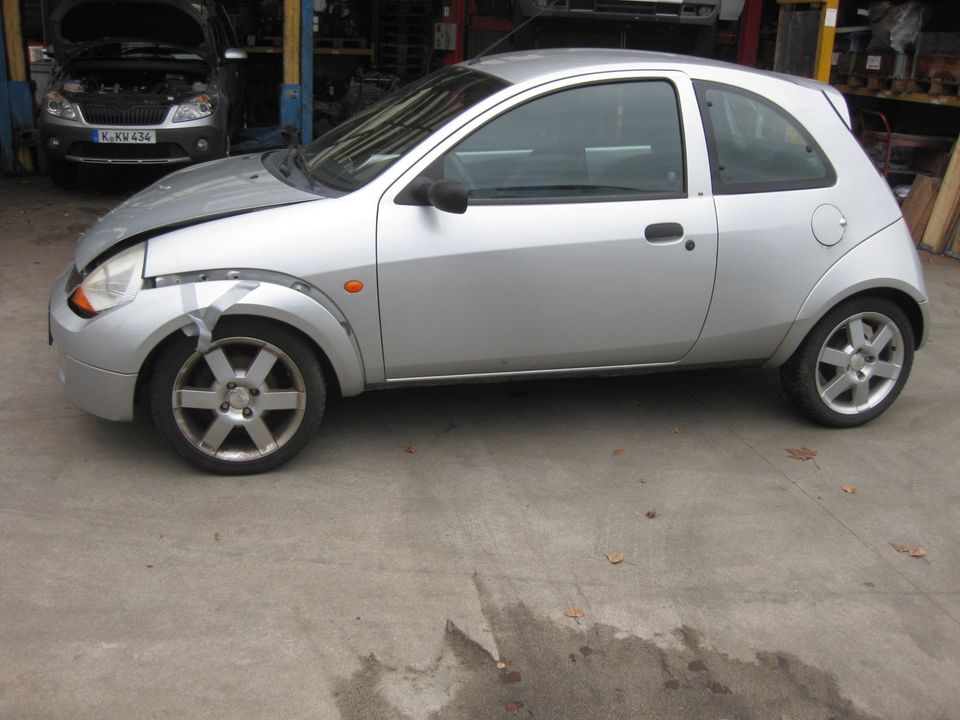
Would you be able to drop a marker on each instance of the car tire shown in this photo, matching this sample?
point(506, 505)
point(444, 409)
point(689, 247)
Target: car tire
point(62, 172)
point(853, 364)
point(246, 405)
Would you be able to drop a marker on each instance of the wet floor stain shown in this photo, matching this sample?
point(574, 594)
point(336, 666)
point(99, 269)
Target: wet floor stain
point(551, 673)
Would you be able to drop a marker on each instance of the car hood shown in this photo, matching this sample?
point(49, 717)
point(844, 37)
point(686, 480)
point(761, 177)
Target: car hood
point(194, 194)
point(79, 25)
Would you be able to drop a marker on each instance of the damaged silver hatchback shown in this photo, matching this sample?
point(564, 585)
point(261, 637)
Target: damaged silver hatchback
point(548, 213)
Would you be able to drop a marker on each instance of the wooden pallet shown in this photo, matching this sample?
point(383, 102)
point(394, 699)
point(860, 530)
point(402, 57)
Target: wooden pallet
point(945, 216)
point(918, 206)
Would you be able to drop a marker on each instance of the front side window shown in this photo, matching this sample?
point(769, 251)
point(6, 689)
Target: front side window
point(756, 146)
point(612, 140)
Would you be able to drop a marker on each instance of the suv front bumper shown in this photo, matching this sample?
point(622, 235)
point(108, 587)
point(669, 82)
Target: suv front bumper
point(73, 140)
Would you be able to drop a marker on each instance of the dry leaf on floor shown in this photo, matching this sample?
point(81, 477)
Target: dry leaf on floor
point(410, 449)
point(651, 514)
point(615, 558)
point(802, 453)
point(911, 551)
point(510, 678)
point(574, 612)
point(850, 489)
point(618, 452)
point(216, 536)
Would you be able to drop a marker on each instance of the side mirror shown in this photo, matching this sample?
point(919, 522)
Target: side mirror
point(234, 54)
point(448, 195)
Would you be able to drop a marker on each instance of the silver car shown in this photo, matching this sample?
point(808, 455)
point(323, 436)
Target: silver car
point(535, 214)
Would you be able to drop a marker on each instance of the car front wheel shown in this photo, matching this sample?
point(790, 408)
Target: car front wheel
point(853, 364)
point(247, 404)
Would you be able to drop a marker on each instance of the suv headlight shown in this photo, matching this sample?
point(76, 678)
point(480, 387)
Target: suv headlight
point(196, 107)
point(57, 105)
point(115, 282)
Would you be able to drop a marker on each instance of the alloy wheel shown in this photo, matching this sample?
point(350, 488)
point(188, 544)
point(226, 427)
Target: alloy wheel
point(241, 400)
point(859, 363)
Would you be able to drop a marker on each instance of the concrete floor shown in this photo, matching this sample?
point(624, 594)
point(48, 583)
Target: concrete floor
point(363, 581)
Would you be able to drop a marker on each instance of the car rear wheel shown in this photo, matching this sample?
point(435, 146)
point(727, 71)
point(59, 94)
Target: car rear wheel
point(248, 404)
point(853, 364)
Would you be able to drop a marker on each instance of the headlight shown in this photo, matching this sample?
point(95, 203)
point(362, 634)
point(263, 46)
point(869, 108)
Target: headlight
point(56, 104)
point(195, 108)
point(114, 283)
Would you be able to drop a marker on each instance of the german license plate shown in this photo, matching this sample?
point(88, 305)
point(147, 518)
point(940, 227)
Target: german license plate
point(135, 137)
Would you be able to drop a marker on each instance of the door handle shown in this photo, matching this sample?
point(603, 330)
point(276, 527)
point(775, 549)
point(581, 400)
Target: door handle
point(663, 232)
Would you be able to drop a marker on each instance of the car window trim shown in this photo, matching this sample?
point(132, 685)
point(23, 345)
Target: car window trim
point(567, 199)
point(718, 185)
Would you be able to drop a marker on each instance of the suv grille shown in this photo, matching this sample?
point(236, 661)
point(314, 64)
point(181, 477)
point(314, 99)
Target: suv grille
point(112, 115)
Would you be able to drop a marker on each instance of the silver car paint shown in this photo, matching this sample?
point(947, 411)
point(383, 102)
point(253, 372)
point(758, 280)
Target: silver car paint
point(102, 393)
point(580, 284)
point(197, 192)
point(329, 241)
point(119, 341)
point(770, 260)
point(325, 243)
point(879, 262)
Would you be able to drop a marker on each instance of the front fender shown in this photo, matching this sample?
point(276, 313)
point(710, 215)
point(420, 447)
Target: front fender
point(121, 340)
point(886, 261)
point(330, 333)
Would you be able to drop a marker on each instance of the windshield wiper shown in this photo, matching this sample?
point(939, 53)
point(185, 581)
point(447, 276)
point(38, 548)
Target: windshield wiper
point(300, 157)
point(284, 166)
point(297, 155)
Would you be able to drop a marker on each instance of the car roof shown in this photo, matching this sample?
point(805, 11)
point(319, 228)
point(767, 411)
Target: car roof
point(522, 66)
point(543, 65)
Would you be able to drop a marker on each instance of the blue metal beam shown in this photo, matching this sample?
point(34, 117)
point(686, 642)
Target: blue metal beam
point(306, 71)
point(6, 114)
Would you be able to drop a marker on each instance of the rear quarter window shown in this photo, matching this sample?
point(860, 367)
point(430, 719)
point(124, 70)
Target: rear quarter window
point(757, 146)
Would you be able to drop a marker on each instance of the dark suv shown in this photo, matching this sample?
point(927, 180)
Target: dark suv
point(140, 82)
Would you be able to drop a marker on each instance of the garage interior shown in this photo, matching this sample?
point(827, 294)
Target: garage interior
point(421, 560)
point(310, 65)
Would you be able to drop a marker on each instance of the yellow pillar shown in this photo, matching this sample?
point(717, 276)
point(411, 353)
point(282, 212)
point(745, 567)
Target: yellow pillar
point(291, 42)
point(828, 30)
point(16, 62)
point(13, 36)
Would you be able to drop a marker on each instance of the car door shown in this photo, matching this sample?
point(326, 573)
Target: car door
point(589, 240)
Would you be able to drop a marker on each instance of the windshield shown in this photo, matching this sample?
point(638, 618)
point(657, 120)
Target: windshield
point(358, 150)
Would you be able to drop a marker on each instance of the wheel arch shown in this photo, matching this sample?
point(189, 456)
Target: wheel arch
point(331, 377)
point(915, 310)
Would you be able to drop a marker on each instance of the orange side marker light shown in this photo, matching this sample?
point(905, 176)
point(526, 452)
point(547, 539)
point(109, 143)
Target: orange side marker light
point(81, 301)
point(353, 286)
